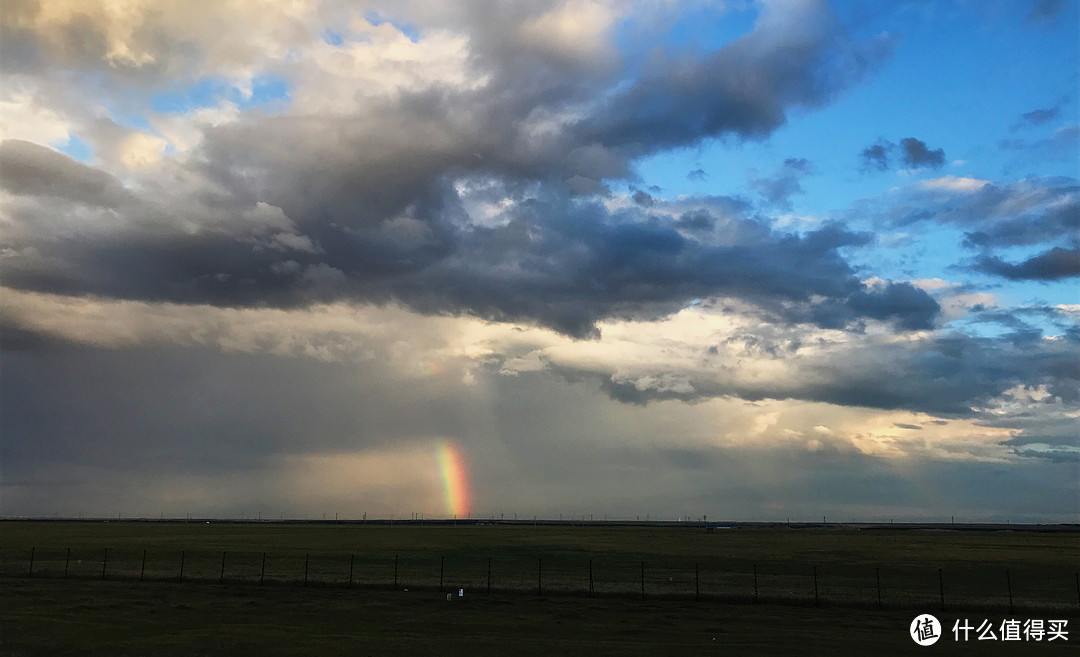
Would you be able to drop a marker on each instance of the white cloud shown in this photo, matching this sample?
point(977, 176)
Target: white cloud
point(21, 117)
point(380, 62)
point(955, 184)
point(184, 132)
point(931, 284)
point(573, 29)
point(960, 185)
point(142, 150)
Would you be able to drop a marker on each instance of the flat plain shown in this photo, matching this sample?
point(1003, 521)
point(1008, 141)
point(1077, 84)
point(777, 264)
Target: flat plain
point(653, 590)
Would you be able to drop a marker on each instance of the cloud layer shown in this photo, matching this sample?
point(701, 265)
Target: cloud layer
point(457, 194)
point(306, 243)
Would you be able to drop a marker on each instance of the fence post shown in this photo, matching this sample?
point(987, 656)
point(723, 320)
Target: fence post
point(395, 570)
point(817, 601)
point(181, 566)
point(442, 564)
point(31, 573)
point(591, 589)
point(1009, 584)
point(307, 557)
point(142, 570)
point(697, 584)
point(642, 580)
point(262, 573)
point(941, 588)
point(877, 575)
point(350, 571)
point(104, 562)
point(755, 584)
point(1077, 575)
point(67, 560)
point(221, 577)
point(489, 576)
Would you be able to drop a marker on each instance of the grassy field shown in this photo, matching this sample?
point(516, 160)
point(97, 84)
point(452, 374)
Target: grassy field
point(55, 617)
point(83, 614)
point(881, 547)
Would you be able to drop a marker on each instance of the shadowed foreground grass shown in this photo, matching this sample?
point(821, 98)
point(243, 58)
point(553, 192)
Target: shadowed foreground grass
point(849, 566)
point(55, 617)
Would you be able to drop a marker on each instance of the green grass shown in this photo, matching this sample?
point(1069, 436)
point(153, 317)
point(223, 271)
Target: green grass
point(55, 617)
point(976, 567)
point(867, 547)
point(83, 615)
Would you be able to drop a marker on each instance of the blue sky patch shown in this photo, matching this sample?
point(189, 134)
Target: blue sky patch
point(211, 92)
point(408, 29)
point(332, 37)
point(77, 148)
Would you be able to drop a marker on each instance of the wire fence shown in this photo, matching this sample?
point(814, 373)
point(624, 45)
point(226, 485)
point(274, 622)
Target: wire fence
point(924, 587)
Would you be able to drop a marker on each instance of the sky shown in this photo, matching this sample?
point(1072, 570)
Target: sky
point(769, 260)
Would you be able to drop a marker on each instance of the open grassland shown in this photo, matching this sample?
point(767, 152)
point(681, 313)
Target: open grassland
point(817, 589)
point(843, 566)
point(54, 617)
point(882, 547)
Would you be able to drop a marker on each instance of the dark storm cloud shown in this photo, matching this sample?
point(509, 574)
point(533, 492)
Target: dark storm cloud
point(1044, 437)
point(198, 409)
point(907, 307)
point(29, 169)
point(643, 199)
point(1058, 218)
point(363, 169)
point(18, 48)
point(375, 192)
point(778, 189)
point(211, 269)
point(876, 157)
point(915, 154)
point(967, 372)
point(555, 260)
point(1026, 213)
point(1033, 212)
point(1027, 316)
point(1049, 435)
point(569, 265)
point(800, 58)
point(1016, 322)
point(376, 197)
point(696, 220)
point(163, 420)
point(15, 338)
point(969, 375)
point(1054, 455)
point(1052, 265)
point(488, 196)
point(1062, 145)
point(80, 39)
point(852, 484)
point(1038, 116)
point(911, 307)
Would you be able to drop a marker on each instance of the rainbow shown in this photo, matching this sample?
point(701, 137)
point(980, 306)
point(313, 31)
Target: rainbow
point(455, 479)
